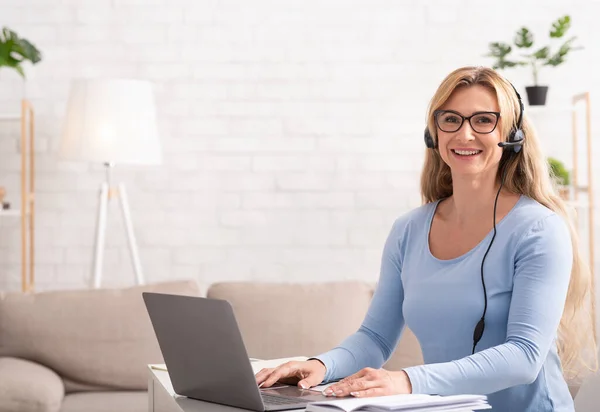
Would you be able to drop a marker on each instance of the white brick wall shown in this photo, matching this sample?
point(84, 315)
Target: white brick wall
point(292, 130)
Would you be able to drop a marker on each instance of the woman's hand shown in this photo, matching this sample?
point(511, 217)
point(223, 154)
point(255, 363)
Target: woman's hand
point(305, 374)
point(371, 382)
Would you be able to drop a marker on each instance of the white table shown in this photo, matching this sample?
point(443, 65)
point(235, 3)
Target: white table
point(162, 397)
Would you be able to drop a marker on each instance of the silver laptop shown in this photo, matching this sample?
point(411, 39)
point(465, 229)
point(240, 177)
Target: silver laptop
point(206, 358)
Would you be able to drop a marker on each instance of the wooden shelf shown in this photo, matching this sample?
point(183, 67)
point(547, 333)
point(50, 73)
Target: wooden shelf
point(548, 109)
point(10, 116)
point(26, 212)
point(578, 205)
point(13, 213)
point(10, 213)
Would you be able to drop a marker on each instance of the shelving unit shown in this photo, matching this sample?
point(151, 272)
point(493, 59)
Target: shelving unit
point(27, 209)
point(588, 188)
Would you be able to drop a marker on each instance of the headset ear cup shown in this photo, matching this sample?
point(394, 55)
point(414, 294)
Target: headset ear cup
point(429, 139)
point(516, 136)
point(519, 136)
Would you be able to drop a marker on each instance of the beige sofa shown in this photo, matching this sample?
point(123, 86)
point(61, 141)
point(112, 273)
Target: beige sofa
point(87, 350)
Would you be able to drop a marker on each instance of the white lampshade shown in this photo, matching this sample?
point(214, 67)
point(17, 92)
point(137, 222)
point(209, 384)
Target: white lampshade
point(111, 120)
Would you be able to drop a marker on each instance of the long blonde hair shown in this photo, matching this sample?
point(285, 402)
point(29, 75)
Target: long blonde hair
point(527, 174)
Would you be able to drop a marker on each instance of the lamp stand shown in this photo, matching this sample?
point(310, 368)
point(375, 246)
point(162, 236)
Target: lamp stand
point(106, 193)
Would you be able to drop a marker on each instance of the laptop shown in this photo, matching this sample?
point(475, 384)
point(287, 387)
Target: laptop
point(206, 358)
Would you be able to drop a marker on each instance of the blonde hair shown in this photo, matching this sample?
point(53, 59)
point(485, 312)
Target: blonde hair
point(527, 174)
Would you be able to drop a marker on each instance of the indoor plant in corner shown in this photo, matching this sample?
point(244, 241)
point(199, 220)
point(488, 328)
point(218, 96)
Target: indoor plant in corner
point(15, 50)
point(524, 40)
point(560, 175)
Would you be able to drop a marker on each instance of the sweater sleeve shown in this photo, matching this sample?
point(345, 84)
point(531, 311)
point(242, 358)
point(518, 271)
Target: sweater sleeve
point(543, 263)
point(375, 340)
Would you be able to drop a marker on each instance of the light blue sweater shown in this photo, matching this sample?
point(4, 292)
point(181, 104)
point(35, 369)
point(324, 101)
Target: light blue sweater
point(526, 272)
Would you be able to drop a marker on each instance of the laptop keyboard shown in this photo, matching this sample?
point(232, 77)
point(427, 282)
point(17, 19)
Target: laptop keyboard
point(279, 400)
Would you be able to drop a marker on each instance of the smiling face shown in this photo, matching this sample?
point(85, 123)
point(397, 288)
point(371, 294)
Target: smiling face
point(473, 148)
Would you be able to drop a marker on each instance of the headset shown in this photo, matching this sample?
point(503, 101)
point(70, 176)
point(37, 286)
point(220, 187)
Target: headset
point(515, 142)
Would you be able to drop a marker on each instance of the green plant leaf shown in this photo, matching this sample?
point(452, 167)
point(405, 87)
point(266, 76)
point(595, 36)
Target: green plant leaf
point(503, 63)
point(13, 64)
point(5, 49)
point(19, 70)
point(559, 57)
point(7, 58)
point(559, 172)
point(15, 50)
point(544, 56)
point(541, 53)
point(560, 26)
point(28, 51)
point(523, 38)
point(499, 50)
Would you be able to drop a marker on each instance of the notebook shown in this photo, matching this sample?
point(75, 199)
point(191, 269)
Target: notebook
point(411, 402)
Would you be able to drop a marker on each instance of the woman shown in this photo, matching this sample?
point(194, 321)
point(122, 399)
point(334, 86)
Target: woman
point(487, 273)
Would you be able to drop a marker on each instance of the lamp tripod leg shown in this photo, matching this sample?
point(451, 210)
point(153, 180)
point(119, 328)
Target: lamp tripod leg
point(100, 236)
point(139, 276)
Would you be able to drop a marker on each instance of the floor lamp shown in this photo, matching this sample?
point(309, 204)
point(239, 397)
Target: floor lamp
point(111, 121)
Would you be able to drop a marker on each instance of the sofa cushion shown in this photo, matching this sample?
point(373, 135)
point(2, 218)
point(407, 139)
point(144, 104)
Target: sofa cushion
point(97, 337)
point(285, 319)
point(106, 402)
point(280, 320)
point(29, 387)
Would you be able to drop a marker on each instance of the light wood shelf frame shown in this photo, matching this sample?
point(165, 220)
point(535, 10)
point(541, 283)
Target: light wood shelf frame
point(27, 196)
point(27, 177)
point(589, 187)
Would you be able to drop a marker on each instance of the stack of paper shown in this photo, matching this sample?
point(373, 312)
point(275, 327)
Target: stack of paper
point(421, 403)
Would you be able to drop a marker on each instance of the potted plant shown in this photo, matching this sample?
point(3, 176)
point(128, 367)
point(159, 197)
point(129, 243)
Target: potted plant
point(560, 174)
point(15, 50)
point(544, 56)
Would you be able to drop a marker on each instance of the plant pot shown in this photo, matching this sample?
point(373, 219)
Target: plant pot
point(536, 95)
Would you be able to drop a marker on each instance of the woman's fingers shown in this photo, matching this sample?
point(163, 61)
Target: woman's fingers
point(305, 374)
point(366, 382)
point(283, 371)
point(367, 393)
point(262, 375)
point(351, 386)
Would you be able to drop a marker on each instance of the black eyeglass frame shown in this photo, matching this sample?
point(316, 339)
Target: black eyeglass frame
point(463, 118)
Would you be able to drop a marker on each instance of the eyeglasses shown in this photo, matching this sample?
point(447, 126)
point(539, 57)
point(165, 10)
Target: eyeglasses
point(450, 121)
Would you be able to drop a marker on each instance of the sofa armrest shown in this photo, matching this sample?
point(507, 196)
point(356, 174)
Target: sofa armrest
point(27, 386)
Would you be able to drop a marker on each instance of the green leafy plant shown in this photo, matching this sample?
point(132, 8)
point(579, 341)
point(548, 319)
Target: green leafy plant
point(15, 50)
point(559, 172)
point(524, 41)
